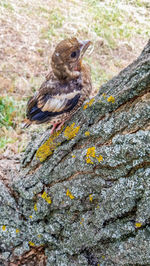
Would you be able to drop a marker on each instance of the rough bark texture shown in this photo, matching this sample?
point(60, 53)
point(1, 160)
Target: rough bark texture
point(83, 197)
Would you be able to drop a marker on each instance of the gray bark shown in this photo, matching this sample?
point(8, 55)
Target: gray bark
point(98, 182)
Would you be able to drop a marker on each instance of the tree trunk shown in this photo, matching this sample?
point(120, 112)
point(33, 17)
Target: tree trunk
point(82, 196)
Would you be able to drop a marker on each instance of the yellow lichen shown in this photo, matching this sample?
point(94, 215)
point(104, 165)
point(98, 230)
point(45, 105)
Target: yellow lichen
point(104, 95)
point(68, 193)
point(3, 227)
point(97, 207)
point(90, 197)
point(30, 216)
point(31, 244)
point(138, 225)
point(89, 103)
point(103, 257)
point(39, 235)
point(46, 197)
point(71, 131)
point(111, 99)
point(90, 153)
point(87, 133)
point(88, 160)
point(17, 231)
point(48, 147)
point(82, 220)
point(73, 156)
point(35, 207)
point(99, 158)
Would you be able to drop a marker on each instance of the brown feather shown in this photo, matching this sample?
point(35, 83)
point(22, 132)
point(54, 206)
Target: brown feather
point(66, 86)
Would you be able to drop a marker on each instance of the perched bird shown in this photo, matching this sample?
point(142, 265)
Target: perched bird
point(66, 86)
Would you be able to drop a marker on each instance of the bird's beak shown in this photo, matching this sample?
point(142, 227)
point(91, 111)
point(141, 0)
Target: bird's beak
point(84, 46)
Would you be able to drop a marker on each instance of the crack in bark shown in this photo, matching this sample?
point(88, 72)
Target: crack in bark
point(68, 178)
point(35, 256)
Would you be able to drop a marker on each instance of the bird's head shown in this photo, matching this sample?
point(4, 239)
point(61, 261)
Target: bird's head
point(67, 57)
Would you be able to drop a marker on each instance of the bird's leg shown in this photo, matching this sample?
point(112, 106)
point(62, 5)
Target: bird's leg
point(60, 126)
point(53, 128)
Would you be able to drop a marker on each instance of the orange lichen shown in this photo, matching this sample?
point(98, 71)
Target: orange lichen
point(111, 99)
point(48, 147)
point(85, 106)
point(35, 207)
point(46, 197)
point(87, 133)
point(17, 231)
point(68, 193)
point(138, 225)
point(71, 131)
point(3, 227)
point(31, 244)
point(89, 103)
point(99, 158)
point(90, 197)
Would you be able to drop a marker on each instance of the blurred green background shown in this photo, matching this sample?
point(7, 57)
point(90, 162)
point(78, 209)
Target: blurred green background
point(29, 32)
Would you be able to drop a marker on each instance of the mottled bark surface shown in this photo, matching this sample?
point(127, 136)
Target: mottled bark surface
point(83, 196)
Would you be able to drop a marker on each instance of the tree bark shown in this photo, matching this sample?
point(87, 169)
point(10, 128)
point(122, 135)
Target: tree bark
point(82, 197)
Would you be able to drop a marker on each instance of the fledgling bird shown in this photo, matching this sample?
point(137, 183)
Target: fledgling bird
point(66, 87)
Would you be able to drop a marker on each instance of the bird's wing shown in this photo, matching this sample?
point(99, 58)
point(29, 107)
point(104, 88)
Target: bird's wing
point(52, 99)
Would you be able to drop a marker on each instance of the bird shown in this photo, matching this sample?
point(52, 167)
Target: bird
point(66, 87)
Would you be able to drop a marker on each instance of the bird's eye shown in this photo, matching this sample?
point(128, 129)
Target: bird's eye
point(73, 54)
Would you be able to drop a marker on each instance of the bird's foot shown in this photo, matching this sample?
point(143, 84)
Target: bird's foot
point(53, 128)
point(56, 127)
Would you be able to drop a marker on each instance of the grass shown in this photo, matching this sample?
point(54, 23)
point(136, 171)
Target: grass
point(55, 21)
point(29, 31)
point(7, 112)
point(11, 113)
point(116, 21)
point(6, 4)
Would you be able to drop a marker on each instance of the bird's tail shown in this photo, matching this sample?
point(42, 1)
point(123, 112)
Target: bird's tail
point(26, 123)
